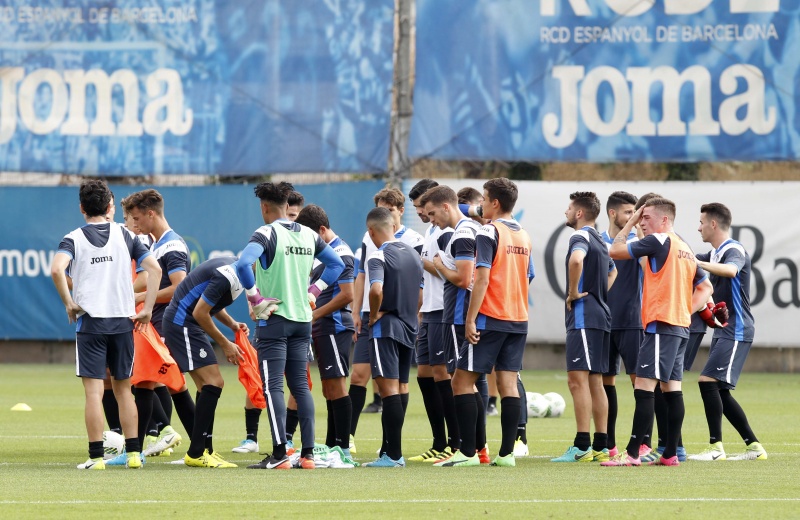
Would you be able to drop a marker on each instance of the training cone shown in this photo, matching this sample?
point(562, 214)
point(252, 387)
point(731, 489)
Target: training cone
point(21, 407)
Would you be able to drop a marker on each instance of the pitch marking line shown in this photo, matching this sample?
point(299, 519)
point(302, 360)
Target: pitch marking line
point(399, 501)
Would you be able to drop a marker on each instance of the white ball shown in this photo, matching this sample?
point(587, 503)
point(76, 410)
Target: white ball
point(538, 405)
point(557, 404)
point(113, 444)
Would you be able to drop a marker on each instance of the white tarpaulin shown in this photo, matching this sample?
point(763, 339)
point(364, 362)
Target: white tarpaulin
point(763, 221)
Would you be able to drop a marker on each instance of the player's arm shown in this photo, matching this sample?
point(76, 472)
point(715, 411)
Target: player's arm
point(575, 270)
point(58, 272)
point(202, 315)
point(479, 287)
point(165, 295)
point(612, 273)
point(376, 268)
point(619, 248)
point(340, 301)
point(153, 270)
point(729, 269)
point(333, 268)
point(461, 276)
point(140, 284)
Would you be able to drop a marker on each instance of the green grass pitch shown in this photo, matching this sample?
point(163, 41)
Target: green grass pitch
point(39, 451)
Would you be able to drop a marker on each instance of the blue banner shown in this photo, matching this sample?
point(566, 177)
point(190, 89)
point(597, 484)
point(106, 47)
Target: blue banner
point(245, 87)
point(607, 80)
point(213, 220)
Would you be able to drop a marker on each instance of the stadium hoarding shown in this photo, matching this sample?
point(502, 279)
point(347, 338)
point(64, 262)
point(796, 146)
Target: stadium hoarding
point(134, 87)
point(607, 80)
point(213, 220)
point(770, 240)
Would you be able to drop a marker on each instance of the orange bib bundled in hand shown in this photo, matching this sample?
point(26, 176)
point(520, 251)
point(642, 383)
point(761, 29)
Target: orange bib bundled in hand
point(153, 362)
point(249, 375)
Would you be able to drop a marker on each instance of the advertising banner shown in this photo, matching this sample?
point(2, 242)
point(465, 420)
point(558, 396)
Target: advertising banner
point(213, 221)
point(140, 87)
point(607, 80)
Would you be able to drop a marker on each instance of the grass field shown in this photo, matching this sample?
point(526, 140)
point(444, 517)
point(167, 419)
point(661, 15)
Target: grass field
point(39, 451)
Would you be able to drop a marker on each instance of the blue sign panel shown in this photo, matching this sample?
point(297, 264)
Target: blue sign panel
point(213, 220)
point(136, 87)
point(607, 80)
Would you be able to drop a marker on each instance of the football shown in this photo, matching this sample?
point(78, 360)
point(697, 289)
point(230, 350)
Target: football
point(113, 444)
point(557, 404)
point(538, 405)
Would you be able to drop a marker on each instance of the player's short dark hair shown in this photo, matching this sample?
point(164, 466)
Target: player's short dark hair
point(619, 198)
point(644, 198)
point(588, 202)
point(421, 187)
point(468, 195)
point(379, 218)
point(296, 199)
point(391, 196)
point(314, 217)
point(719, 212)
point(95, 197)
point(439, 195)
point(145, 200)
point(503, 191)
point(276, 193)
point(663, 205)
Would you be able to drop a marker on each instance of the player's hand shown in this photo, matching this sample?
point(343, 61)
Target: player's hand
point(313, 294)
point(375, 318)
point(139, 297)
point(708, 317)
point(572, 297)
point(356, 324)
point(73, 310)
point(636, 217)
point(315, 314)
point(250, 311)
point(263, 307)
point(141, 320)
point(720, 311)
point(232, 352)
point(471, 332)
point(438, 264)
point(241, 326)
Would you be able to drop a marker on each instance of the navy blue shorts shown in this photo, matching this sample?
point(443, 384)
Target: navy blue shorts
point(695, 338)
point(587, 350)
point(333, 354)
point(499, 350)
point(661, 357)
point(625, 347)
point(96, 352)
point(189, 346)
point(726, 361)
point(454, 338)
point(362, 347)
point(442, 344)
point(389, 359)
point(422, 347)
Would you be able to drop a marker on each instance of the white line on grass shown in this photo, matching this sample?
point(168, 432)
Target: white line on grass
point(402, 501)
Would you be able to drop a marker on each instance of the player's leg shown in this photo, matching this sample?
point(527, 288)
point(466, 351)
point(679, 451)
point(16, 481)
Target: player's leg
point(600, 347)
point(509, 349)
point(210, 382)
point(292, 420)
point(120, 364)
point(385, 363)
point(578, 368)
point(430, 397)
point(110, 407)
point(521, 443)
point(444, 343)
point(185, 408)
point(333, 355)
point(272, 365)
point(482, 400)
point(671, 350)
point(376, 406)
point(90, 366)
point(297, 381)
point(491, 409)
point(252, 415)
point(360, 375)
point(610, 388)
